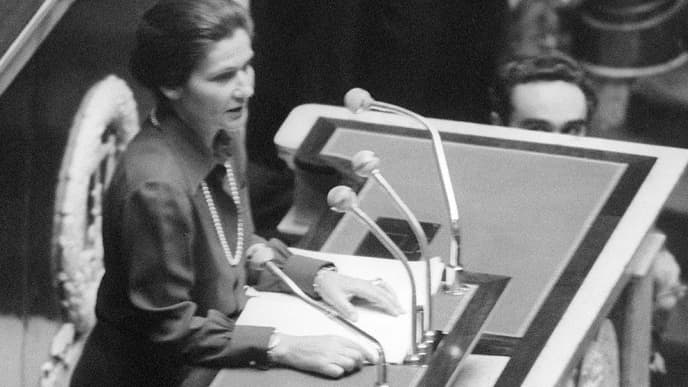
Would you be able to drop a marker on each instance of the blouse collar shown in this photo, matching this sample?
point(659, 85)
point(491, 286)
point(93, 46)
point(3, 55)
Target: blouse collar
point(194, 156)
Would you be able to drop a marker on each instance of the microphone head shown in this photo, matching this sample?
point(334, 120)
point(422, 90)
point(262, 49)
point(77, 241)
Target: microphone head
point(342, 198)
point(364, 163)
point(358, 100)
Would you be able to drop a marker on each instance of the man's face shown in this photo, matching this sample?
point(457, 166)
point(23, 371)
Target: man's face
point(549, 106)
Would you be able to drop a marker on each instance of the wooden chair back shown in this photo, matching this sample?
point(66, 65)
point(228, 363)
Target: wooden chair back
point(107, 119)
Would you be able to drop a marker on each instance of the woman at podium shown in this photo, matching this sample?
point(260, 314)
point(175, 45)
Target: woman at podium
point(178, 236)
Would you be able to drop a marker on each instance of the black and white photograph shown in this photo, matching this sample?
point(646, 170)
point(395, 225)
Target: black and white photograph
point(313, 193)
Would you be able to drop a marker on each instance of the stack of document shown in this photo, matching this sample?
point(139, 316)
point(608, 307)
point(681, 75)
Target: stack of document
point(290, 315)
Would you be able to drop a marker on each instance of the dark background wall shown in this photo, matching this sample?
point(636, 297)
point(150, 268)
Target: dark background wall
point(93, 39)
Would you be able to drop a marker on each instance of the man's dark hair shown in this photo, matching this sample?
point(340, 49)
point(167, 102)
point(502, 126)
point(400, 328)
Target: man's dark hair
point(552, 66)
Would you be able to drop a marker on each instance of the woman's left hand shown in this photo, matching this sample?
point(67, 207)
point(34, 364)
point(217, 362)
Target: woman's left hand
point(337, 290)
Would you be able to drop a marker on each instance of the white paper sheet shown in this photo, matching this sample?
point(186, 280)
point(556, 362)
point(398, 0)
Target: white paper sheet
point(289, 315)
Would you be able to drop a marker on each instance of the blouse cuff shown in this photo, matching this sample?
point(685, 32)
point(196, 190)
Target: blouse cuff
point(303, 270)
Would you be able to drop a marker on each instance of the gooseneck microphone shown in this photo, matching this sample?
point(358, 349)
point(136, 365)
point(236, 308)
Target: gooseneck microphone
point(366, 164)
point(342, 199)
point(358, 100)
point(260, 262)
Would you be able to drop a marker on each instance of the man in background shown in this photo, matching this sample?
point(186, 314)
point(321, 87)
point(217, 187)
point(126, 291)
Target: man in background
point(551, 93)
point(548, 92)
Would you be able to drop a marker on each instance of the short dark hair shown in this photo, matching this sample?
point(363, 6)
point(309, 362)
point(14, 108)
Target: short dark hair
point(552, 66)
point(173, 37)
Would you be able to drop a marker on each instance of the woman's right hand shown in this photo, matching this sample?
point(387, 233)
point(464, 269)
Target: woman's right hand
point(328, 355)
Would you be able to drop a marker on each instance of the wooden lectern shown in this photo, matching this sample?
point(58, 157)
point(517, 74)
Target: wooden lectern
point(561, 216)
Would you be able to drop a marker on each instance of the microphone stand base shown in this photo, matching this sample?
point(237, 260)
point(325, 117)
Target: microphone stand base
point(454, 283)
point(431, 339)
point(413, 359)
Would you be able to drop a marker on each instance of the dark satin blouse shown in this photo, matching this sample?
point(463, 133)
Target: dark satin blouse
point(169, 298)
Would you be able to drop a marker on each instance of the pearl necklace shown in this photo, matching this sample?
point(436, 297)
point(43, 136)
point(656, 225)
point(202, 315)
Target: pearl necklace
point(234, 189)
point(233, 259)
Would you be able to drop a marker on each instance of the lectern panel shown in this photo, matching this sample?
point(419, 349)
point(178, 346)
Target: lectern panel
point(536, 212)
point(612, 191)
point(508, 199)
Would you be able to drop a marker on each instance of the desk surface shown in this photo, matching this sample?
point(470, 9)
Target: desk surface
point(600, 279)
point(477, 370)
